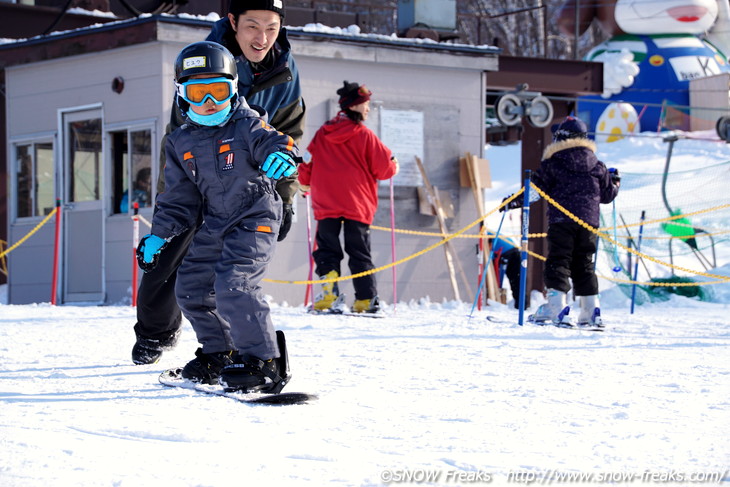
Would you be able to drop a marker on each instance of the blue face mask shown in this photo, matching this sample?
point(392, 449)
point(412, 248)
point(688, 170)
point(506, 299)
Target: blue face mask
point(210, 120)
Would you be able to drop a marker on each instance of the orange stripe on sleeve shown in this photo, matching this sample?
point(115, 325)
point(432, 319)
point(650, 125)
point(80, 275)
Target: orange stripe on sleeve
point(263, 228)
point(188, 155)
point(224, 148)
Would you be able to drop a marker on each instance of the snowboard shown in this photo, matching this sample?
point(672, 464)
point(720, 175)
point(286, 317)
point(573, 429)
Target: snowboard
point(567, 326)
point(172, 378)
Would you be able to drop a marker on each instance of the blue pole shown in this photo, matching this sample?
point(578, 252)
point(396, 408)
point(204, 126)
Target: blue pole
point(489, 262)
point(523, 257)
point(636, 266)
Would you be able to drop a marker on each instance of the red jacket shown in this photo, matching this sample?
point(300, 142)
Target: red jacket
point(347, 160)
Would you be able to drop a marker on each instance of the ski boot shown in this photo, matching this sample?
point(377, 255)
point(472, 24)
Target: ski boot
point(325, 300)
point(206, 367)
point(555, 311)
point(251, 374)
point(590, 312)
point(148, 351)
point(366, 306)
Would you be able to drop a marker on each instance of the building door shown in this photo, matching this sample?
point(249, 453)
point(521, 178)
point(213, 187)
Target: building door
point(83, 279)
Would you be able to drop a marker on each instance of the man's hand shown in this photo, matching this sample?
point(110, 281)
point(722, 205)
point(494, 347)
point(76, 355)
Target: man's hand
point(286, 220)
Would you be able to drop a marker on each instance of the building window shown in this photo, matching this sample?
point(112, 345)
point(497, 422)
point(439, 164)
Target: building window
point(84, 155)
point(34, 179)
point(132, 169)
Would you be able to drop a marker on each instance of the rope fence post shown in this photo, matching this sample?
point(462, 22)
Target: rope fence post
point(135, 242)
point(310, 259)
point(56, 251)
point(392, 243)
point(523, 256)
point(636, 265)
point(484, 273)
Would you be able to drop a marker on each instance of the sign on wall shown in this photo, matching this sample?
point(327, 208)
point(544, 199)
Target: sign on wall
point(402, 132)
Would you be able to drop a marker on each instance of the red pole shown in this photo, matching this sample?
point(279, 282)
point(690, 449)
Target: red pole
point(56, 250)
point(135, 241)
point(480, 265)
point(392, 243)
point(308, 290)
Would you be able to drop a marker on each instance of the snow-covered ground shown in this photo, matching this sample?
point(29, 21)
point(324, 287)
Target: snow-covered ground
point(428, 395)
point(425, 391)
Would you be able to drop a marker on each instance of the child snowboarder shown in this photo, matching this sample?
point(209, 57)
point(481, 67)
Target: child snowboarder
point(222, 164)
point(573, 176)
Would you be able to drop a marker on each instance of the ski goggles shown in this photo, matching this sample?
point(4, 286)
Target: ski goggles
point(197, 91)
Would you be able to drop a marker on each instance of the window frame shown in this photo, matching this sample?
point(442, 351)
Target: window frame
point(149, 125)
point(32, 141)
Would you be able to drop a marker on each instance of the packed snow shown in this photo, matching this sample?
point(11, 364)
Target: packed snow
point(432, 394)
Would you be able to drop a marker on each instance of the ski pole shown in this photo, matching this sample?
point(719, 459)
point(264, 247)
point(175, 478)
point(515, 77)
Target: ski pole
point(484, 274)
point(636, 266)
point(616, 263)
point(631, 242)
point(523, 255)
point(309, 248)
point(392, 243)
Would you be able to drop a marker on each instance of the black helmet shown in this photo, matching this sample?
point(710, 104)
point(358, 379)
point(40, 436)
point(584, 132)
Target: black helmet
point(205, 58)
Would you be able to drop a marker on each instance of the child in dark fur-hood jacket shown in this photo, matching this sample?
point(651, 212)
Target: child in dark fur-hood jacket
point(571, 174)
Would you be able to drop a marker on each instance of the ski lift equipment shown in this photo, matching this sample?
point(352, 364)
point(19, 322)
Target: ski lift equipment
point(512, 107)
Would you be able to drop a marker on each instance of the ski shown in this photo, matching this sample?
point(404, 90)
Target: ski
point(569, 326)
point(339, 308)
point(172, 378)
point(345, 313)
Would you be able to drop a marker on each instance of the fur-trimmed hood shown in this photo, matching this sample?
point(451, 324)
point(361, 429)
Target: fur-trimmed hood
point(568, 144)
point(571, 173)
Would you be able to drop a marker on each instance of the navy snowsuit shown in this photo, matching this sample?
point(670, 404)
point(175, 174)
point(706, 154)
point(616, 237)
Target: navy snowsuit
point(571, 174)
point(216, 170)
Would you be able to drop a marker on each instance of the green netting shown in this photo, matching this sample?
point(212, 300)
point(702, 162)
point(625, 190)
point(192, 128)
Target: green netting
point(662, 293)
point(695, 237)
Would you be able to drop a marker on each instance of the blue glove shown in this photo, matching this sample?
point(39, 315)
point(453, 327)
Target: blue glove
point(279, 164)
point(615, 176)
point(148, 251)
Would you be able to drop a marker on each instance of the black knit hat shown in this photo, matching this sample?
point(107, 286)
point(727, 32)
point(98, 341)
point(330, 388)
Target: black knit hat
point(570, 128)
point(352, 94)
point(237, 7)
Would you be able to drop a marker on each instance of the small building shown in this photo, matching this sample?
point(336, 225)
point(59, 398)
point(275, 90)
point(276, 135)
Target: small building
point(86, 111)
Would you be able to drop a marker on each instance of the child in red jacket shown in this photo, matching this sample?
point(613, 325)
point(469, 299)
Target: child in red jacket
point(345, 160)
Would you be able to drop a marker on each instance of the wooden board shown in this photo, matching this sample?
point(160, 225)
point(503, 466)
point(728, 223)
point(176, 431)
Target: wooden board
point(451, 260)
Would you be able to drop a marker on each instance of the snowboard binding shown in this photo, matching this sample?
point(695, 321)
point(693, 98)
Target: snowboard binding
point(251, 374)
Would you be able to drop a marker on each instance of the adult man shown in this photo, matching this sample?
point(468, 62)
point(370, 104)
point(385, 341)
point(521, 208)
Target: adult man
point(267, 77)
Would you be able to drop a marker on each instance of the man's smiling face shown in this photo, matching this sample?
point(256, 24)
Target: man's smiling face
point(256, 32)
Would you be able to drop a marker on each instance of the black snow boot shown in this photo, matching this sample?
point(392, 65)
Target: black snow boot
point(251, 374)
point(206, 367)
point(149, 350)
